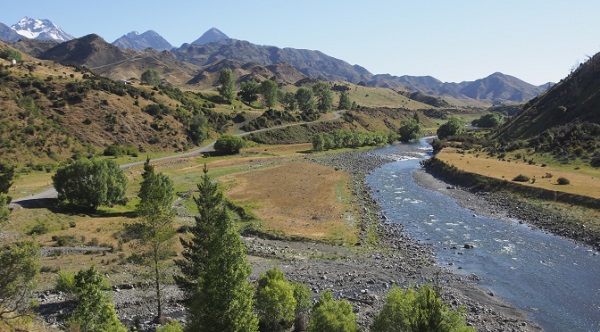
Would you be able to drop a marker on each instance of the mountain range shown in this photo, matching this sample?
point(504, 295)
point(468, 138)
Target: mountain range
point(148, 39)
point(40, 29)
point(214, 46)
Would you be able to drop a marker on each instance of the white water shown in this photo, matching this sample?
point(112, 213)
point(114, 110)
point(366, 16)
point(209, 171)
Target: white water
point(552, 278)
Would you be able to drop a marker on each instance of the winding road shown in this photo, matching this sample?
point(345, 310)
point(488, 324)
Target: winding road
point(39, 199)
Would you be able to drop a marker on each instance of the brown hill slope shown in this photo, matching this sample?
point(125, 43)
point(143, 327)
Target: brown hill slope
point(90, 51)
point(281, 73)
point(50, 112)
point(576, 99)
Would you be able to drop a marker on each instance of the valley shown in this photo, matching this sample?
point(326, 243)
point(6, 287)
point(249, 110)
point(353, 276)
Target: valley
point(305, 150)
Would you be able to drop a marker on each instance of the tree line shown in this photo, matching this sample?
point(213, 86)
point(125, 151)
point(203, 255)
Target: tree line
point(319, 96)
point(339, 138)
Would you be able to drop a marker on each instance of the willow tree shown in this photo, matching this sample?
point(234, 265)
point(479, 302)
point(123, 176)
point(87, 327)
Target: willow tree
point(91, 183)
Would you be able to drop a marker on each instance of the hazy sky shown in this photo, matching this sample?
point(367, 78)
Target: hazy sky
point(453, 40)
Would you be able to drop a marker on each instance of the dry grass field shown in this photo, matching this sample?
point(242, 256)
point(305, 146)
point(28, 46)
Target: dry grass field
point(582, 182)
point(296, 199)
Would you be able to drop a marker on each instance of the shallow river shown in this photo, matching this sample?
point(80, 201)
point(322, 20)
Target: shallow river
point(553, 279)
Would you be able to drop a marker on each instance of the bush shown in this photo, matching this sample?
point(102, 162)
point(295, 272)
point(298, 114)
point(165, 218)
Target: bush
point(172, 326)
point(11, 54)
point(454, 126)
point(66, 240)
point(331, 315)
point(275, 302)
point(563, 181)
point(417, 310)
point(91, 183)
point(521, 178)
point(229, 144)
point(65, 282)
point(595, 162)
point(39, 228)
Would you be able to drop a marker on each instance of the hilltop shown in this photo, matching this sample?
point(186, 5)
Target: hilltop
point(215, 46)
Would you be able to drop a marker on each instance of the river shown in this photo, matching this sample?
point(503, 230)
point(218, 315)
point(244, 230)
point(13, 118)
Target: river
point(553, 279)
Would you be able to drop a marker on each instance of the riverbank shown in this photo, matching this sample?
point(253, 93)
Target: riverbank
point(505, 200)
point(362, 274)
point(406, 261)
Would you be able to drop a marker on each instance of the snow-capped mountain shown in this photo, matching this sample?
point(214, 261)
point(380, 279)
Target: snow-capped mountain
point(40, 29)
point(142, 41)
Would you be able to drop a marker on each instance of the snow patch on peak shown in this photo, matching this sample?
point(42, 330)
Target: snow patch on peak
point(40, 29)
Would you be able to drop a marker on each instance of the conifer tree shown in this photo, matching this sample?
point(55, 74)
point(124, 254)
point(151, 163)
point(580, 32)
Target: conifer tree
point(214, 270)
point(156, 198)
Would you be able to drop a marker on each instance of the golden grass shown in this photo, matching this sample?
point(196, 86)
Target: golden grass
point(297, 199)
point(28, 184)
point(585, 183)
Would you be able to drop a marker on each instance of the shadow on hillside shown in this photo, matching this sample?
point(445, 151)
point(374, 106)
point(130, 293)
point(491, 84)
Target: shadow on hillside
point(54, 206)
point(40, 203)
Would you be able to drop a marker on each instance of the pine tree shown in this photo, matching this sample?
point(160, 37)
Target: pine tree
point(156, 197)
point(195, 253)
point(214, 269)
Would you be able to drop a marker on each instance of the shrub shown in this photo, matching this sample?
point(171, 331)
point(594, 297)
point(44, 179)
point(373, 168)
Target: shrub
point(229, 144)
point(11, 54)
point(563, 181)
point(65, 282)
point(331, 315)
point(521, 178)
point(172, 326)
point(417, 310)
point(39, 228)
point(275, 302)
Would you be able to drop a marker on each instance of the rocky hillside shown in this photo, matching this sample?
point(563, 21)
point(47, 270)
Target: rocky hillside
point(213, 35)
point(311, 63)
point(565, 121)
point(8, 34)
point(281, 73)
point(91, 51)
point(119, 64)
point(186, 64)
point(574, 99)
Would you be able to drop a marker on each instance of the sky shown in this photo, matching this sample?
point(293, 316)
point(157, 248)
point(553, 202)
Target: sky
point(538, 41)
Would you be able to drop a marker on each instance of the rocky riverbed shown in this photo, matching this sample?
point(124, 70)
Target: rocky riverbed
point(362, 274)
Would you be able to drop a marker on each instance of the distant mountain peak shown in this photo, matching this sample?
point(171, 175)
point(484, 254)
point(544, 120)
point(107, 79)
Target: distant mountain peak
point(210, 36)
point(137, 41)
point(42, 29)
